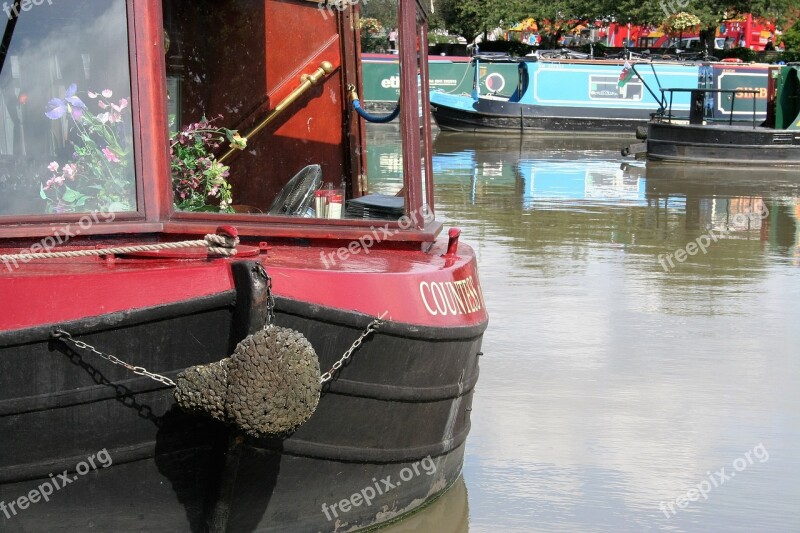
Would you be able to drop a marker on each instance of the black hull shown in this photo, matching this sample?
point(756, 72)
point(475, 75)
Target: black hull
point(722, 144)
point(500, 116)
point(399, 409)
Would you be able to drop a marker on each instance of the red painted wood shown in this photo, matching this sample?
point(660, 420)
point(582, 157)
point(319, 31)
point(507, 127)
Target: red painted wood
point(149, 87)
point(320, 129)
point(414, 287)
point(409, 111)
point(54, 291)
point(341, 231)
point(431, 288)
point(427, 141)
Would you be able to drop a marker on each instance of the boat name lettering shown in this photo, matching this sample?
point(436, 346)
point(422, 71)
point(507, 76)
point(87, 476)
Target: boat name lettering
point(392, 82)
point(451, 297)
point(762, 92)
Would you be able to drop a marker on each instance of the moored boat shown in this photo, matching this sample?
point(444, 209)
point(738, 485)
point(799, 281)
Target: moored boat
point(603, 97)
point(163, 290)
point(698, 138)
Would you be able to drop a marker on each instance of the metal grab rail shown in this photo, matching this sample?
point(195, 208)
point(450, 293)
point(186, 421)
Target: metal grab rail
point(307, 81)
point(713, 91)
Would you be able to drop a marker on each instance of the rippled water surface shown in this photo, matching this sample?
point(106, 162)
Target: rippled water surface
point(615, 382)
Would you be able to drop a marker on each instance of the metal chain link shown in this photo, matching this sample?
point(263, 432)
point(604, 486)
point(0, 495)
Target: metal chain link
point(374, 325)
point(139, 370)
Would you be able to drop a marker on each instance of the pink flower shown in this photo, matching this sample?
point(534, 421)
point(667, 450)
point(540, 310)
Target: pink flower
point(53, 167)
point(92, 95)
point(123, 103)
point(107, 93)
point(111, 156)
point(110, 117)
point(58, 180)
point(102, 105)
point(70, 170)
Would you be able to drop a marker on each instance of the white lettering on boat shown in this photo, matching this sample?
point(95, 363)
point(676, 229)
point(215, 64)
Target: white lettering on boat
point(451, 297)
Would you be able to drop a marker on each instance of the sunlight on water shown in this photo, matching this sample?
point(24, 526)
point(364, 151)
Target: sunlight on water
point(614, 381)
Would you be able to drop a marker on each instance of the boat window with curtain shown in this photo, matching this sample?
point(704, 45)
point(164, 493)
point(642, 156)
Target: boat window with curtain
point(66, 134)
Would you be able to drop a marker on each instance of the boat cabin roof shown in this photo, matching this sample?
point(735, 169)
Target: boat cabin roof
point(171, 117)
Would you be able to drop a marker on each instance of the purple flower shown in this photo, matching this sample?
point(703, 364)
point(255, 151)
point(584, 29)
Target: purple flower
point(57, 108)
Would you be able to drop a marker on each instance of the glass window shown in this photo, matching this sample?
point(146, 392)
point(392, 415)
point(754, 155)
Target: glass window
point(230, 64)
point(65, 114)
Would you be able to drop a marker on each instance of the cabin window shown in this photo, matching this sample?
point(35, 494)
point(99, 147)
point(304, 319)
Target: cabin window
point(66, 137)
point(229, 65)
point(232, 62)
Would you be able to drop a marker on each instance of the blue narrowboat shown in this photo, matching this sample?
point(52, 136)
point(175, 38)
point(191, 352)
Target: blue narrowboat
point(606, 97)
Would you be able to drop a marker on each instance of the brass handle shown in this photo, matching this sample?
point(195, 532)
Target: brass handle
point(307, 81)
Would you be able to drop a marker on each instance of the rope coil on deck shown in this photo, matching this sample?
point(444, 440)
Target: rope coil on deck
point(223, 244)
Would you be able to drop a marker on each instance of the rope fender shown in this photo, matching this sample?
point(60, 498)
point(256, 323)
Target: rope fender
point(269, 386)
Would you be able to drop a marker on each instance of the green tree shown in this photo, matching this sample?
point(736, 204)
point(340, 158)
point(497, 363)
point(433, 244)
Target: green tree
point(556, 18)
point(791, 38)
point(383, 10)
point(470, 18)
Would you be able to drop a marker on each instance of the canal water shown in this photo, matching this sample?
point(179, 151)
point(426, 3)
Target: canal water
point(620, 390)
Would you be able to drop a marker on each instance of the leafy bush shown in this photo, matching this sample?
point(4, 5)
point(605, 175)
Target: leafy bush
point(791, 38)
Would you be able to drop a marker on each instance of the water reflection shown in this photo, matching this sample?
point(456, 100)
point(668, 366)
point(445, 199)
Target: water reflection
point(610, 385)
point(447, 514)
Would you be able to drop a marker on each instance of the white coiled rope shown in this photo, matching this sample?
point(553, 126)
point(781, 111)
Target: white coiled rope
point(222, 245)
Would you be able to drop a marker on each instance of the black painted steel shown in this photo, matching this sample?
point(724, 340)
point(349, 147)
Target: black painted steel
point(399, 408)
point(502, 116)
point(722, 144)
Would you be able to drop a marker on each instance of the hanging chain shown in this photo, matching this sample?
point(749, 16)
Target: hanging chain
point(139, 370)
point(374, 325)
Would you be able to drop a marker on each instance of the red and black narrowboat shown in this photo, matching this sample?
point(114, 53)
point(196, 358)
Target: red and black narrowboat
point(180, 180)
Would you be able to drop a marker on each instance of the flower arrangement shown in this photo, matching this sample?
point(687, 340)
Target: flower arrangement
point(99, 175)
point(681, 21)
point(370, 25)
point(197, 177)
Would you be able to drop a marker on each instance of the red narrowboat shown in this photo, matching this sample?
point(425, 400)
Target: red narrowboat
point(211, 321)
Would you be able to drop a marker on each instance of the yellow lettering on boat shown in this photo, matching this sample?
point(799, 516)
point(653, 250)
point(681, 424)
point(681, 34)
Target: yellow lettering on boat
point(451, 297)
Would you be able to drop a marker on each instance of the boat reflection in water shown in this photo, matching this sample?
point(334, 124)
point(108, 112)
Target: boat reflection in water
point(583, 174)
point(611, 385)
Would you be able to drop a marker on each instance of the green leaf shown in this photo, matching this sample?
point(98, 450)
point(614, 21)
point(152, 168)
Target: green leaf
point(71, 195)
point(42, 194)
